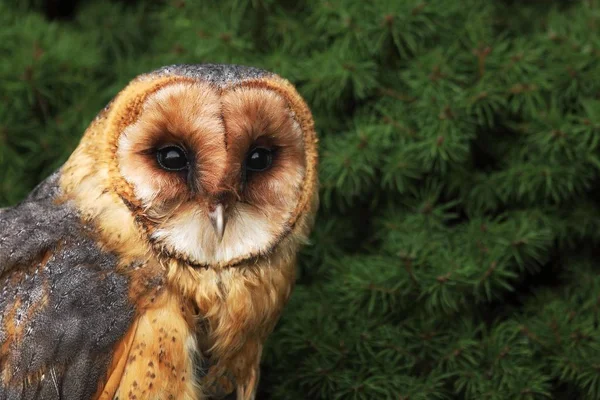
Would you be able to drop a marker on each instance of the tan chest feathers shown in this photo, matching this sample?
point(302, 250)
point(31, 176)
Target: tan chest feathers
point(155, 361)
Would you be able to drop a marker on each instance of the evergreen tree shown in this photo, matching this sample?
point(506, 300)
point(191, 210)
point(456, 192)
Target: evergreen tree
point(455, 251)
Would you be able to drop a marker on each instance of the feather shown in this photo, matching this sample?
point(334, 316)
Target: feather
point(62, 305)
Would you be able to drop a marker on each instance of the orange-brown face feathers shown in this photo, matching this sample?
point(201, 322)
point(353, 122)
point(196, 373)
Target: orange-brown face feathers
point(242, 158)
point(186, 115)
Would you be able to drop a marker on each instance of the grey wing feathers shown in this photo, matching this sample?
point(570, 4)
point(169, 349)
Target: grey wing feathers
point(35, 224)
point(62, 305)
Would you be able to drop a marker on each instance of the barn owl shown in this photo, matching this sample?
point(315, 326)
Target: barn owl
point(156, 261)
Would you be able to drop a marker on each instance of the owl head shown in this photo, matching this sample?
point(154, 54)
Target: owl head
point(216, 163)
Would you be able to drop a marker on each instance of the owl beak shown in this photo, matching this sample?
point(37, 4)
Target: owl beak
point(217, 219)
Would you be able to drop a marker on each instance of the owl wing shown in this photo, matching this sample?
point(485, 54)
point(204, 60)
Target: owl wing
point(62, 305)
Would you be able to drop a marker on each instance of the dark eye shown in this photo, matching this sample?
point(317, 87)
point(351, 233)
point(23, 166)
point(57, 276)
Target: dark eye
point(172, 158)
point(259, 159)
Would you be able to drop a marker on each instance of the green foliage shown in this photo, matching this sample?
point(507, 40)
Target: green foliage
point(454, 254)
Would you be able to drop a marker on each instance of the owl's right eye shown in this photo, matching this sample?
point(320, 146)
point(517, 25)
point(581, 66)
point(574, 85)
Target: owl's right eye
point(172, 158)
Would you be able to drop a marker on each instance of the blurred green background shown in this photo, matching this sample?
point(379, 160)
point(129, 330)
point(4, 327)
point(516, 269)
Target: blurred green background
point(456, 251)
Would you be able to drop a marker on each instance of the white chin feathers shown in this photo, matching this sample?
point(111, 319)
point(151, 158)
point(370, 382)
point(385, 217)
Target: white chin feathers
point(191, 234)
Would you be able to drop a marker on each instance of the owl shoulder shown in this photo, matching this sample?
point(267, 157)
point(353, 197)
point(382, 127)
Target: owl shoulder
point(63, 306)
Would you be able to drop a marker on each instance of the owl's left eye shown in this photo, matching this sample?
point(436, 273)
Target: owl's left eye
point(259, 159)
point(172, 158)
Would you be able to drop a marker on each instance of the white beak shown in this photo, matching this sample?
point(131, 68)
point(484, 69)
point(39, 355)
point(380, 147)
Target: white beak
point(217, 218)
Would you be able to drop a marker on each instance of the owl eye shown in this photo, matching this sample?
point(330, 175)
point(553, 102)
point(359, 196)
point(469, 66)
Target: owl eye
point(259, 159)
point(172, 158)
